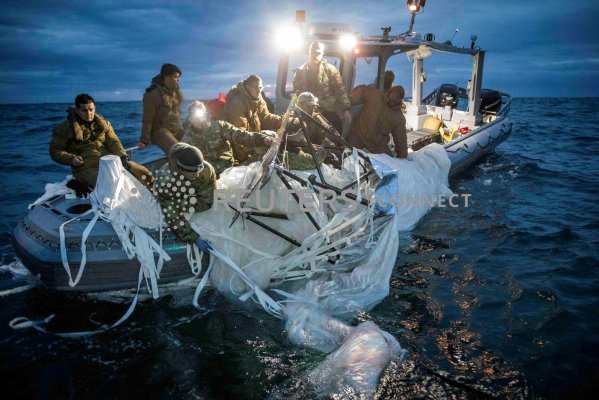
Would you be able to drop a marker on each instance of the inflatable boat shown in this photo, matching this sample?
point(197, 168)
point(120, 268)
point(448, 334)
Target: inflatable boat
point(467, 122)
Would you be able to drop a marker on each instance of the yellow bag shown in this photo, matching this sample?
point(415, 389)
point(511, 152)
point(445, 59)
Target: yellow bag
point(432, 123)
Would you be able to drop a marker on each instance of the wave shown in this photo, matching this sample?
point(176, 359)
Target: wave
point(53, 118)
point(134, 116)
point(43, 128)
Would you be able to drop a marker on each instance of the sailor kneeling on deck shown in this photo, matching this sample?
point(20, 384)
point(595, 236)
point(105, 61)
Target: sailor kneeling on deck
point(82, 139)
point(218, 141)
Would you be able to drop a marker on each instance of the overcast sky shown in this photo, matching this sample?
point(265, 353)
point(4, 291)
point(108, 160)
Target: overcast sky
point(52, 50)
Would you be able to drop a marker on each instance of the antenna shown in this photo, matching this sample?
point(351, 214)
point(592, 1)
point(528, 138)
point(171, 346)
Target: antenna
point(386, 30)
point(452, 36)
point(472, 40)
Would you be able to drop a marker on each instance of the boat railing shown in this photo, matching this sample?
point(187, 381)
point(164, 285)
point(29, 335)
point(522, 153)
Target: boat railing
point(503, 111)
point(505, 106)
point(130, 150)
point(432, 96)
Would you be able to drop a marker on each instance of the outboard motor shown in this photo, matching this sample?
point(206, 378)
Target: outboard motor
point(490, 101)
point(448, 95)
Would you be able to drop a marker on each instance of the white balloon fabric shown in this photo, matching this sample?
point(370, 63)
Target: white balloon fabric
point(317, 273)
point(315, 295)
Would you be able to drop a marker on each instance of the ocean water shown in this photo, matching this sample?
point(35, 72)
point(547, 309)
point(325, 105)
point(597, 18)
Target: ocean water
point(496, 300)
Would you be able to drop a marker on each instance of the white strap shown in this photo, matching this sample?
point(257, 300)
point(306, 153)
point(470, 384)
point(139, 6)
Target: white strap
point(23, 322)
point(269, 305)
point(63, 249)
point(202, 284)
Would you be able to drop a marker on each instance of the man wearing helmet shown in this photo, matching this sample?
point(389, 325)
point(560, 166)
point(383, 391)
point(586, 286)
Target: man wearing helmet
point(218, 140)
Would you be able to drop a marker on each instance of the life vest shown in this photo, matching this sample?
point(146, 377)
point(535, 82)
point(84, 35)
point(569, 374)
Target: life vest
point(214, 106)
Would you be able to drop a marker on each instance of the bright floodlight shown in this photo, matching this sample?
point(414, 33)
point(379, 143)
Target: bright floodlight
point(415, 5)
point(347, 42)
point(289, 38)
point(199, 113)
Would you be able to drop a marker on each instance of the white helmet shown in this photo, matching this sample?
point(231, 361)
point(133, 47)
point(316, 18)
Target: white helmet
point(198, 115)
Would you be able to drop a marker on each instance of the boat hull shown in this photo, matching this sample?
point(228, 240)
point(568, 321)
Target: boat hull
point(36, 242)
point(471, 148)
point(36, 237)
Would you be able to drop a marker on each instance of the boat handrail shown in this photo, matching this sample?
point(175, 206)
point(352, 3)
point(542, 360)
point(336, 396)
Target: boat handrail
point(128, 149)
point(505, 107)
point(428, 99)
point(503, 111)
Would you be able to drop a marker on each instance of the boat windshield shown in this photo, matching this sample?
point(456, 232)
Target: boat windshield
point(366, 70)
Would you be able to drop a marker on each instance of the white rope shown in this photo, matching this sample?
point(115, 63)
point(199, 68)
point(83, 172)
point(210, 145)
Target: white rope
point(24, 323)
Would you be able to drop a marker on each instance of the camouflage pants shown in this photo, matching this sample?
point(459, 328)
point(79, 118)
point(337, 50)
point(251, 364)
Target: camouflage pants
point(297, 161)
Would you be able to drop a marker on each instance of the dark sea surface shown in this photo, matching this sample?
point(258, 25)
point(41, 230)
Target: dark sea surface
point(496, 300)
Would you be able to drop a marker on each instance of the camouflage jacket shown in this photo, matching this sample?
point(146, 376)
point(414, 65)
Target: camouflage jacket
point(161, 109)
point(375, 122)
point(314, 131)
point(74, 137)
point(326, 84)
point(178, 195)
point(247, 113)
point(216, 142)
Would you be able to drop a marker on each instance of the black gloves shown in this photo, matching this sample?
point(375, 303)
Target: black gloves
point(81, 189)
point(126, 163)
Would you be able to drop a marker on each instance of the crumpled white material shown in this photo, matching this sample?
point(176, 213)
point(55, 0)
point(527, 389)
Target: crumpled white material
point(55, 189)
point(129, 206)
point(327, 294)
point(314, 296)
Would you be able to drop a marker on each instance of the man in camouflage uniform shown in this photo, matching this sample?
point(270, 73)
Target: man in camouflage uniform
point(381, 115)
point(322, 79)
point(185, 185)
point(308, 103)
point(83, 138)
point(217, 140)
point(161, 110)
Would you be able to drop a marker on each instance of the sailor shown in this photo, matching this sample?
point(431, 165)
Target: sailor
point(218, 140)
point(184, 185)
point(388, 79)
point(82, 139)
point(246, 109)
point(381, 115)
point(322, 79)
point(161, 109)
point(308, 103)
